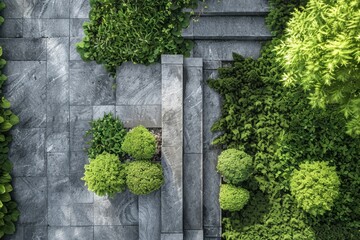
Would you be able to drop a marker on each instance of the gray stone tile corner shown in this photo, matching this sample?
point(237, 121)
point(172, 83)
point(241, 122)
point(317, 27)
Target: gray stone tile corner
point(172, 59)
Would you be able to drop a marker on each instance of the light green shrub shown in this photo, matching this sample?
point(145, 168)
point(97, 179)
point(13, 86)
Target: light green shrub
point(105, 175)
point(234, 165)
point(139, 143)
point(315, 186)
point(233, 198)
point(144, 177)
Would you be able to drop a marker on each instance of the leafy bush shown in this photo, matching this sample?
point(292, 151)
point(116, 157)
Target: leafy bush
point(321, 52)
point(144, 177)
point(315, 187)
point(233, 198)
point(137, 31)
point(107, 135)
point(105, 175)
point(234, 165)
point(9, 213)
point(139, 143)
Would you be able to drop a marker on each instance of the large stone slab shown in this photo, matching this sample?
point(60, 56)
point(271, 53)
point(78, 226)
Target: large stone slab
point(74, 55)
point(194, 234)
point(78, 191)
point(31, 197)
point(79, 8)
point(14, 9)
point(120, 210)
point(116, 232)
point(76, 26)
point(147, 115)
point(172, 236)
point(150, 216)
point(77, 161)
point(26, 90)
point(46, 8)
point(223, 50)
point(80, 117)
point(35, 232)
point(37, 28)
point(74, 233)
point(82, 215)
point(27, 152)
point(12, 28)
point(101, 111)
point(138, 84)
point(90, 84)
point(59, 193)
point(233, 7)
point(24, 49)
point(58, 164)
point(59, 215)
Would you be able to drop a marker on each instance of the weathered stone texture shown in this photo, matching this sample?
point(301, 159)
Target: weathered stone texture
point(147, 115)
point(23, 49)
point(150, 216)
point(116, 232)
point(46, 8)
point(12, 28)
point(37, 28)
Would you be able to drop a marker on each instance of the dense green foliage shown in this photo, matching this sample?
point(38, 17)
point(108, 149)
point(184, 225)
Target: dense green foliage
point(144, 177)
point(105, 175)
point(315, 186)
point(139, 143)
point(278, 127)
point(234, 165)
point(9, 213)
point(321, 52)
point(138, 31)
point(107, 135)
point(233, 198)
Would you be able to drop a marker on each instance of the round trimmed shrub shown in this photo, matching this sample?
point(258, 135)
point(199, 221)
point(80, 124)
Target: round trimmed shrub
point(144, 177)
point(140, 143)
point(315, 186)
point(105, 175)
point(234, 165)
point(107, 135)
point(233, 198)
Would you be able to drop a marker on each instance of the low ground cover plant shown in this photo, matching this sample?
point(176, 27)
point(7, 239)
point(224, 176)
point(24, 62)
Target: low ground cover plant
point(138, 31)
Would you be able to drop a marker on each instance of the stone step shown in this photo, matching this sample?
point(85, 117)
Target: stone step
point(223, 50)
point(193, 149)
point(232, 8)
point(228, 28)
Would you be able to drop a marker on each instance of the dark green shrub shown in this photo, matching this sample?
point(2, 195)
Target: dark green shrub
point(137, 31)
point(233, 198)
point(234, 165)
point(315, 186)
point(105, 175)
point(107, 135)
point(144, 177)
point(321, 53)
point(139, 143)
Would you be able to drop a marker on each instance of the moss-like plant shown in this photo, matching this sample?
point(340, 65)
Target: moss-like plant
point(107, 135)
point(321, 52)
point(105, 175)
point(233, 198)
point(234, 165)
point(140, 143)
point(315, 187)
point(144, 177)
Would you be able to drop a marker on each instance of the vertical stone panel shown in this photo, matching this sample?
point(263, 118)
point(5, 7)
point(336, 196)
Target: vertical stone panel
point(149, 216)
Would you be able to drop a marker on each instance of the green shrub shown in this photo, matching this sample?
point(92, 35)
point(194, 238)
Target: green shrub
point(137, 31)
point(107, 135)
point(233, 198)
point(315, 186)
point(144, 177)
point(321, 52)
point(234, 165)
point(105, 175)
point(139, 143)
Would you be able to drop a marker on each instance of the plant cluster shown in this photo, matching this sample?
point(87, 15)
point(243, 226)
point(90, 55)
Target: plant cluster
point(315, 186)
point(9, 213)
point(233, 198)
point(107, 135)
point(321, 53)
point(277, 127)
point(138, 31)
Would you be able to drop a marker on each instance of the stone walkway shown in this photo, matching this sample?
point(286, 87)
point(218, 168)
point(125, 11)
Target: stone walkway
point(56, 94)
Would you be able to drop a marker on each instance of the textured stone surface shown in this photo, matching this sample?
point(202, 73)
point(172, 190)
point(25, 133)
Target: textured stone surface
point(212, 232)
point(79, 8)
point(59, 190)
point(31, 197)
point(212, 65)
point(147, 115)
point(172, 59)
point(150, 216)
point(73, 233)
point(58, 164)
point(26, 90)
point(27, 152)
point(82, 215)
point(23, 49)
point(78, 191)
point(194, 235)
point(223, 50)
point(120, 210)
point(35, 232)
point(74, 55)
point(116, 232)
point(18, 235)
point(76, 29)
point(77, 161)
point(138, 84)
point(80, 117)
point(90, 84)
point(172, 236)
point(12, 28)
point(100, 111)
point(14, 9)
point(59, 215)
point(231, 7)
point(46, 8)
point(193, 191)
point(36, 28)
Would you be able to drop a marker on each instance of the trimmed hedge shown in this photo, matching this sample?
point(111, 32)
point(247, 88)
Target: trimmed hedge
point(233, 198)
